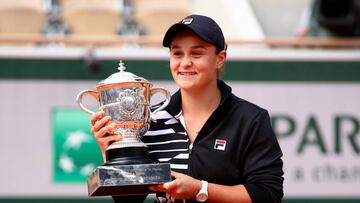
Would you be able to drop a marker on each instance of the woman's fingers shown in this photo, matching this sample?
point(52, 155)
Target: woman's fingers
point(98, 125)
point(103, 130)
point(169, 186)
point(110, 139)
point(106, 130)
point(97, 116)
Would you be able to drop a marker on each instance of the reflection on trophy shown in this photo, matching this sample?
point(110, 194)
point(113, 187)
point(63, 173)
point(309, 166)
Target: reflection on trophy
point(125, 97)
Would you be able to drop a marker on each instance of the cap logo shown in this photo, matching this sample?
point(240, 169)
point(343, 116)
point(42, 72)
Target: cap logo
point(187, 21)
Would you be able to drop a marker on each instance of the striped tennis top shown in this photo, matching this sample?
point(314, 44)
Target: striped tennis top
point(168, 141)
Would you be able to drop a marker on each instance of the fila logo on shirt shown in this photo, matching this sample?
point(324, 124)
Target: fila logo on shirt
point(220, 144)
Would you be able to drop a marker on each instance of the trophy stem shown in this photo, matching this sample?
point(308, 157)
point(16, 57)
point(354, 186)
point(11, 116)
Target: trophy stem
point(128, 151)
point(127, 142)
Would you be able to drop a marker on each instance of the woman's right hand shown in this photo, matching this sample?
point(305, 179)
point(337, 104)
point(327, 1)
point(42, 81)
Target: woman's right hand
point(102, 128)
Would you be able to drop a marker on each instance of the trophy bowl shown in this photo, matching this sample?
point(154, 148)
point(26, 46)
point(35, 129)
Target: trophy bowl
point(127, 170)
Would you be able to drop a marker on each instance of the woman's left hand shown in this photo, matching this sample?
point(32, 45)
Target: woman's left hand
point(182, 187)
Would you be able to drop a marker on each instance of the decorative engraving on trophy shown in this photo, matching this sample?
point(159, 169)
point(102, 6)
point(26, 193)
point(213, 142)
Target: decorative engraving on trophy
point(131, 104)
point(129, 124)
point(153, 178)
point(126, 104)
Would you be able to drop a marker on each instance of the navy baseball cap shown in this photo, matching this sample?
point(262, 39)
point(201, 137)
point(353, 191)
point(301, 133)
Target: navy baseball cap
point(205, 27)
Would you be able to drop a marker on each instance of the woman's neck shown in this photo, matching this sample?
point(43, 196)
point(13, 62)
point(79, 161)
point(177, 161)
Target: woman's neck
point(197, 107)
point(205, 99)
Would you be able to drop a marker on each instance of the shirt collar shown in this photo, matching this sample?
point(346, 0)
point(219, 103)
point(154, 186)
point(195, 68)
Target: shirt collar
point(174, 107)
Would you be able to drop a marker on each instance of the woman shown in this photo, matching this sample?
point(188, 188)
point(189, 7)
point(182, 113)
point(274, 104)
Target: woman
point(221, 148)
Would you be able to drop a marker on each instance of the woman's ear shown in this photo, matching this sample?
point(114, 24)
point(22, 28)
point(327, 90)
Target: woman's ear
point(221, 58)
point(221, 63)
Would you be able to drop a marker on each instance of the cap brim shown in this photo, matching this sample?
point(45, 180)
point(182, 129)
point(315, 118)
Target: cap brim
point(172, 31)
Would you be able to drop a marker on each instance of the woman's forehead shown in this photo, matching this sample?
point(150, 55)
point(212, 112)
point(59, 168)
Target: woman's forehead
point(189, 37)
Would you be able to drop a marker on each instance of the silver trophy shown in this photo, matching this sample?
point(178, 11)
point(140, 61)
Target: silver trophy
point(125, 97)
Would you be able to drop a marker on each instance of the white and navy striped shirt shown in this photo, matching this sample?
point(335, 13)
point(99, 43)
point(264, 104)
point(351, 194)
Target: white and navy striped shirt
point(168, 142)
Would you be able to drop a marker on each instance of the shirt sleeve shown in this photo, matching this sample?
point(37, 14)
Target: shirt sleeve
point(263, 165)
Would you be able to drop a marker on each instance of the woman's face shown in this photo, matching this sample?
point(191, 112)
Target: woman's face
point(194, 62)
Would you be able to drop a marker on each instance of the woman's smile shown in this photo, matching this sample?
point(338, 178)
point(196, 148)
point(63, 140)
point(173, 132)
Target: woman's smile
point(187, 73)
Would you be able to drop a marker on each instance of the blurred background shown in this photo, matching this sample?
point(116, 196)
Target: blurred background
point(298, 59)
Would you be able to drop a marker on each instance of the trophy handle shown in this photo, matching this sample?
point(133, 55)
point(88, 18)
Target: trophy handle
point(166, 102)
point(80, 96)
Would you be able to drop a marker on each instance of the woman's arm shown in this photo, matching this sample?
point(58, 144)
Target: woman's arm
point(186, 187)
point(263, 166)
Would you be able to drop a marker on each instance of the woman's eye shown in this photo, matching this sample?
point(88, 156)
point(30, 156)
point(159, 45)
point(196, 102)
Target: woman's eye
point(196, 54)
point(177, 54)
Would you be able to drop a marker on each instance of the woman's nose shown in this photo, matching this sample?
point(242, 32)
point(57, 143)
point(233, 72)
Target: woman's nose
point(186, 61)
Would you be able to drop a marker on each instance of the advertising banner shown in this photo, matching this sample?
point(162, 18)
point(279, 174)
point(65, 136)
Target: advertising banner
point(76, 153)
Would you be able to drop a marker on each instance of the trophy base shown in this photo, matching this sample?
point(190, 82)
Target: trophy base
point(115, 180)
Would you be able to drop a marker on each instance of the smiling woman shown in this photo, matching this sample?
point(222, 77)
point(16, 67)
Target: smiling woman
point(205, 119)
point(194, 62)
point(194, 66)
